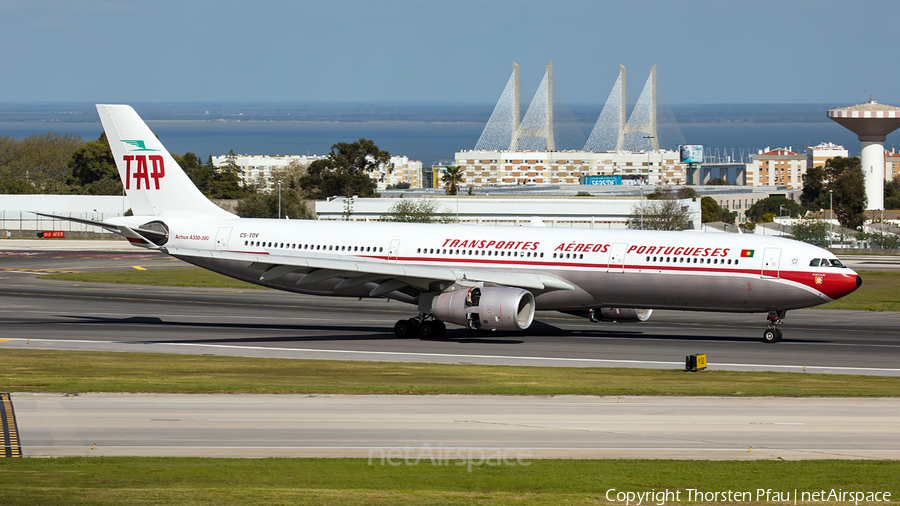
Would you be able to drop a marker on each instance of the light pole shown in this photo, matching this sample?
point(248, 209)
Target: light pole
point(279, 200)
point(641, 206)
point(830, 217)
point(648, 153)
point(780, 222)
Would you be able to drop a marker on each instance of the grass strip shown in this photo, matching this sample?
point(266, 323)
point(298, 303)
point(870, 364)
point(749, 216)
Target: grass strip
point(115, 481)
point(87, 371)
point(878, 292)
point(184, 276)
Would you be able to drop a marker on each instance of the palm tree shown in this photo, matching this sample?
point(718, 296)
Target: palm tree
point(451, 179)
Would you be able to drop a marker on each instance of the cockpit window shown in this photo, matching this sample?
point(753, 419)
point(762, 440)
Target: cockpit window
point(814, 262)
point(836, 263)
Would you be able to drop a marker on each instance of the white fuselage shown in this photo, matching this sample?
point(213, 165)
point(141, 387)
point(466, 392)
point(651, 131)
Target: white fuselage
point(608, 268)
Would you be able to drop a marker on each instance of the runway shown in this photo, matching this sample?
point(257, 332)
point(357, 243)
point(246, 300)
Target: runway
point(264, 323)
point(389, 429)
point(43, 314)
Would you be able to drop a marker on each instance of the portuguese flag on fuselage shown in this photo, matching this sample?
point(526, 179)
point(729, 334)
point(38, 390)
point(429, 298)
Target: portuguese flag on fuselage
point(746, 253)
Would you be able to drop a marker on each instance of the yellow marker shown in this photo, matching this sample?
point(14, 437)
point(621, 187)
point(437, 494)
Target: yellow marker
point(804, 368)
point(95, 447)
point(138, 267)
point(750, 450)
point(620, 399)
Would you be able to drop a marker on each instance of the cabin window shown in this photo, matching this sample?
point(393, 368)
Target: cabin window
point(580, 256)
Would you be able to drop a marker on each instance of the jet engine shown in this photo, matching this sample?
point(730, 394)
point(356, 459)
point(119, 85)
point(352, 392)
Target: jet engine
point(486, 308)
point(612, 314)
point(618, 315)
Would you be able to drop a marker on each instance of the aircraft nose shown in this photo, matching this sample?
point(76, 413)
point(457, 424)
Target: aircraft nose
point(847, 284)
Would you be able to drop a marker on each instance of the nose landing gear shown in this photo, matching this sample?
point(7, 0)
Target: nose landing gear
point(773, 333)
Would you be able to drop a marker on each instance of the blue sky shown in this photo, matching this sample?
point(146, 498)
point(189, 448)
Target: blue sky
point(711, 52)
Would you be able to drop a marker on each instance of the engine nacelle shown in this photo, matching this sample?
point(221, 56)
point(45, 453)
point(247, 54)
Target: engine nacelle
point(619, 315)
point(486, 308)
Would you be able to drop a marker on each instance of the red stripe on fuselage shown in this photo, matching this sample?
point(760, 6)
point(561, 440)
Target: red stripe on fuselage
point(835, 284)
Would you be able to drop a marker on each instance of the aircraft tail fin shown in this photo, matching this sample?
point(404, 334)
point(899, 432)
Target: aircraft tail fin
point(154, 182)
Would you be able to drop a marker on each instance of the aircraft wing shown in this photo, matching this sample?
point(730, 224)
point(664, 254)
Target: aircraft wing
point(356, 271)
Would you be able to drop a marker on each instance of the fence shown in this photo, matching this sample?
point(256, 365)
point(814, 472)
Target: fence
point(17, 223)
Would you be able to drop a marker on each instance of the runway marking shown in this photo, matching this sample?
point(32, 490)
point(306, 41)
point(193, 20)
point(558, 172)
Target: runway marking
point(10, 438)
point(457, 356)
point(42, 271)
point(138, 268)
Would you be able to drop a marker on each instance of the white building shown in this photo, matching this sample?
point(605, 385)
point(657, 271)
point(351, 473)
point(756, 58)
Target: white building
point(257, 169)
point(777, 167)
point(816, 156)
point(569, 212)
point(404, 171)
point(500, 168)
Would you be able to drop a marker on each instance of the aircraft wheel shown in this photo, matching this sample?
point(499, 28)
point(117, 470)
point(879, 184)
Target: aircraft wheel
point(404, 329)
point(441, 329)
point(772, 335)
point(429, 329)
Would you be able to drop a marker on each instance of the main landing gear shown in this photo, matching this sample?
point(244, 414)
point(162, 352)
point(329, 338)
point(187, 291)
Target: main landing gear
point(414, 327)
point(773, 333)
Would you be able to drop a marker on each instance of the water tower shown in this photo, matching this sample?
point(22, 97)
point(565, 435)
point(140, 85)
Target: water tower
point(871, 122)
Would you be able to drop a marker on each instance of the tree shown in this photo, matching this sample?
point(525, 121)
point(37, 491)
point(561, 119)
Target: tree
point(266, 205)
point(93, 169)
point(346, 171)
point(661, 193)
point(811, 230)
point(686, 192)
point(815, 191)
point(228, 182)
point(848, 185)
point(773, 205)
point(418, 211)
point(661, 214)
point(885, 240)
point(288, 175)
point(10, 186)
point(892, 193)
point(43, 160)
point(452, 177)
point(719, 181)
point(711, 211)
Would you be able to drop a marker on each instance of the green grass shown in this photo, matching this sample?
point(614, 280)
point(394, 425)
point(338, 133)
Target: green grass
point(237, 482)
point(880, 291)
point(185, 276)
point(77, 371)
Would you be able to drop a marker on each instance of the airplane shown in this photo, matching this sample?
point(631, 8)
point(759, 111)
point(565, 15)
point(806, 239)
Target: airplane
point(484, 278)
